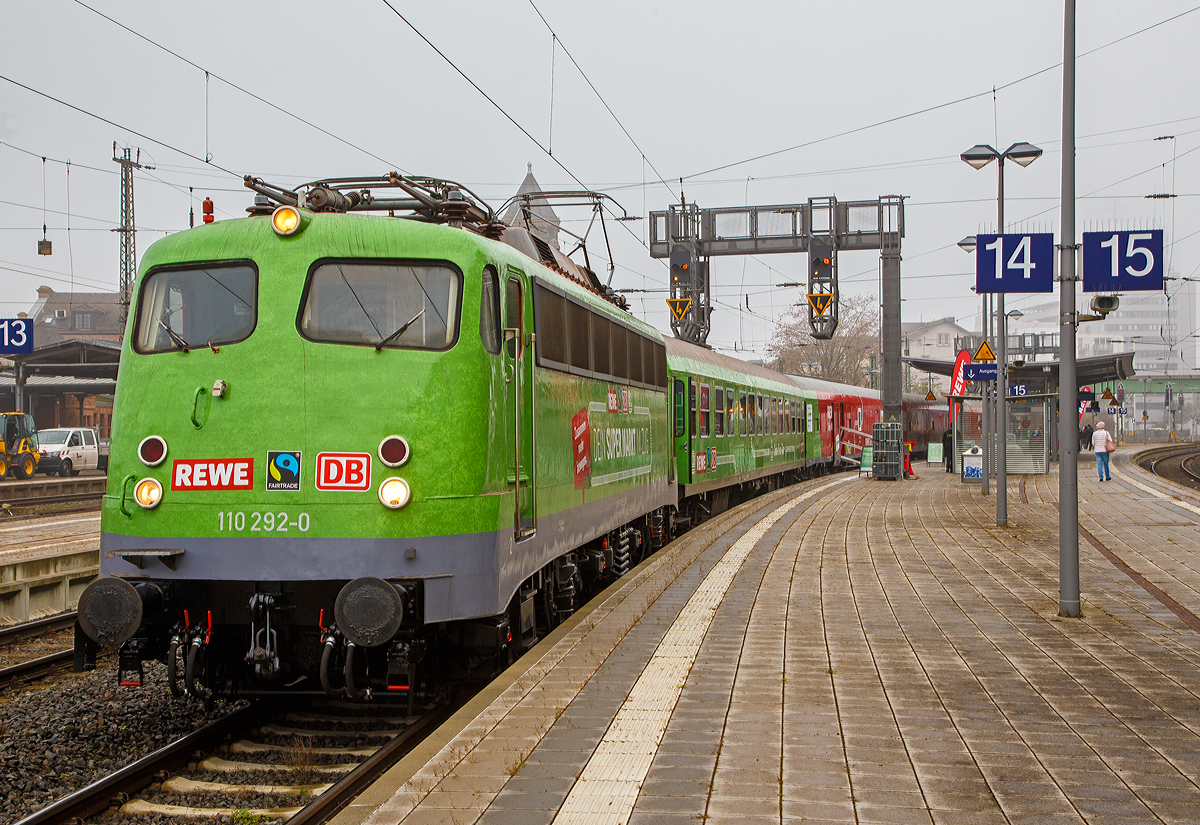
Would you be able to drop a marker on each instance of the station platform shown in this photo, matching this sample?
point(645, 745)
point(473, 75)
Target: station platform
point(850, 650)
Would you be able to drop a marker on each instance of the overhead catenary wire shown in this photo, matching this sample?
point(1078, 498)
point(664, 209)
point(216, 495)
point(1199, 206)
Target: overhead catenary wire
point(241, 89)
point(935, 107)
point(600, 97)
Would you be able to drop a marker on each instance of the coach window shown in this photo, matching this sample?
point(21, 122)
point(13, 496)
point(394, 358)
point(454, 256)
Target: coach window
point(381, 303)
point(186, 307)
point(730, 412)
point(762, 419)
point(704, 408)
point(489, 311)
point(774, 416)
point(719, 412)
point(679, 408)
point(692, 404)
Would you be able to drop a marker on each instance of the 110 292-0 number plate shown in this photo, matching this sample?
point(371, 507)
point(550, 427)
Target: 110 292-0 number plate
point(261, 522)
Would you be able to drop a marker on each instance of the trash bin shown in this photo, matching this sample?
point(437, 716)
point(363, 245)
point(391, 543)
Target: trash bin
point(972, 466)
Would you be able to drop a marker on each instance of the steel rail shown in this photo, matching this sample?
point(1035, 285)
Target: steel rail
point(116, 787)
point(34, 668)
point(37, 627)
point(324, 807)
point(38, 501)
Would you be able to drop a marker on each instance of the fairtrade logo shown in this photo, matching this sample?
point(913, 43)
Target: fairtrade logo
point(283, 470)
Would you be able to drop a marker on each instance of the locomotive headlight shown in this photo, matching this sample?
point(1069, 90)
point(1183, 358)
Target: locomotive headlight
point(152, 450)
point(288, 220)
point(148, 493)
point(394, 493)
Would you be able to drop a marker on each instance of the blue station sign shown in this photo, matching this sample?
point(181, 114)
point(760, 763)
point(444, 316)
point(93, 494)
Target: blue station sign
point(1014, 263)
point(1123, 261)
point(981, 371)
point(16, 336)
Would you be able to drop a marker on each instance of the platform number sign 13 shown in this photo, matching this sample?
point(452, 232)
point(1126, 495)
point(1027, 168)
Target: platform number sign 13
point(1014, 263)
point(1123, 261)
point(16, 336)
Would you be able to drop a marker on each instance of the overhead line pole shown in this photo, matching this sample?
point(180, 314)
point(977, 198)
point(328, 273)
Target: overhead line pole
point(1068, 406)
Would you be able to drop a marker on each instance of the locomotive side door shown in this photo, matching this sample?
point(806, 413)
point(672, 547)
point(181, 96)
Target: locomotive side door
point(518, 348)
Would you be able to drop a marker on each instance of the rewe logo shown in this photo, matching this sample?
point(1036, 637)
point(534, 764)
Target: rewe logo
point(343, 471)
point(213, 474)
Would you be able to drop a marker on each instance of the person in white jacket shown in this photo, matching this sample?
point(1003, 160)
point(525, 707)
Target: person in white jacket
point(1100, 440)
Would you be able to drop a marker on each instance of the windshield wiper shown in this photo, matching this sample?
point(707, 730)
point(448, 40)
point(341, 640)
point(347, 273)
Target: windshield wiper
point(398, 332)
point(175, 336)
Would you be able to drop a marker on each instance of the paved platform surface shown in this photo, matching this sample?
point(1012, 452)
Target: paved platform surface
point(855, 651)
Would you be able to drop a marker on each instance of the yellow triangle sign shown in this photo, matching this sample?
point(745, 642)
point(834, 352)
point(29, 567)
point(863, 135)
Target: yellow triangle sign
point(984, 353)
point(929, 396)
point(1108, 396)
point(679, 307)
point(820, 301)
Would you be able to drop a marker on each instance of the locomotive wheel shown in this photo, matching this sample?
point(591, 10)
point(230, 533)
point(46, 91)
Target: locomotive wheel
point(65, 468)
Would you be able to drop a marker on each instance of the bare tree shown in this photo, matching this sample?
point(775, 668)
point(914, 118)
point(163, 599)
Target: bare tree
point(844, 358)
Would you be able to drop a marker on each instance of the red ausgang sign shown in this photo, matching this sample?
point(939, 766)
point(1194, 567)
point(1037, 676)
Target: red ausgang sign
point(343, 471)
point(213, 474)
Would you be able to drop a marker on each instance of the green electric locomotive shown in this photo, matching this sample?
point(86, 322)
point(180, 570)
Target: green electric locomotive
point(342, 455)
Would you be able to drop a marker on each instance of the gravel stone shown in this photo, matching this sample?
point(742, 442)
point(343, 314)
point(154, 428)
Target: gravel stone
point(69, 730)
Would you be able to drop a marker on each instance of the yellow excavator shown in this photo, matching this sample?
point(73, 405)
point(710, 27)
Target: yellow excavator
point(19, 449)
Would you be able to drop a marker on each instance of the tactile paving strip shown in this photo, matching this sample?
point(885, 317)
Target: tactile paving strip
point(609, 784)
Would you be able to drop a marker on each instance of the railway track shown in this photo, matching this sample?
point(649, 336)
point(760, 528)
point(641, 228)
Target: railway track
point(1179, 464)
point(35, 506)
point(35, 667)
point(301, 763)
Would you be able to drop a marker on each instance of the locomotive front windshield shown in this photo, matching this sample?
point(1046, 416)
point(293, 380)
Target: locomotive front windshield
point(192, 307)
point(410, 306)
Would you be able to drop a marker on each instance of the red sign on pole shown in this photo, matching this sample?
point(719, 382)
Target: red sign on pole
point(581, 438)
point(958, 384)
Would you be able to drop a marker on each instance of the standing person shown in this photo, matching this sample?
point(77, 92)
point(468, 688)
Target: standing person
point(948, 450)
point(1087, 437)
point(1100, 443)
point(1082, 439)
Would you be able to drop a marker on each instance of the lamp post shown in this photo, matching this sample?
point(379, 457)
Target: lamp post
point(978, 157)
point(967, 245)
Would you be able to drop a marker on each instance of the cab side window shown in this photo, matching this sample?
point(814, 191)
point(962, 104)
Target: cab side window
point(74, 442)
point(89, 438)
point(489, 311)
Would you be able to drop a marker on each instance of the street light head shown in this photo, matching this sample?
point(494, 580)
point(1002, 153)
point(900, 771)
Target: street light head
point(1014, 314)
point(1023, 154)
point(980, 155)
point(967, 244)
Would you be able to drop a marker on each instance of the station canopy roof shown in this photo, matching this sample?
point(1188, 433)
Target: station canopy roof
point(1088, 371)
point(73, 358)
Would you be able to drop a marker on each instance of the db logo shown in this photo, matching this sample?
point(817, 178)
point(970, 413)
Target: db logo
point(343, 471)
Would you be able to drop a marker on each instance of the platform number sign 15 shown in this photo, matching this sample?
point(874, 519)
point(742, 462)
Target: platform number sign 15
point(1123, 261)
point(1014, 263)
point(16, 336)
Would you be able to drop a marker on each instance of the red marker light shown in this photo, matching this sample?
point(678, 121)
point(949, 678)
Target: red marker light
point(207, 209)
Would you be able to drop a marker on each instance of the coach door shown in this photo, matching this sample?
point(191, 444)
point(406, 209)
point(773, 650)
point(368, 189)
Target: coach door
point(518, 347)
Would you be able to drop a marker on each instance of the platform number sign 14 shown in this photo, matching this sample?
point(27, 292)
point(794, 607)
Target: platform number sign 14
point(16, 336)
point(1123, 261)
point(1014, 263)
